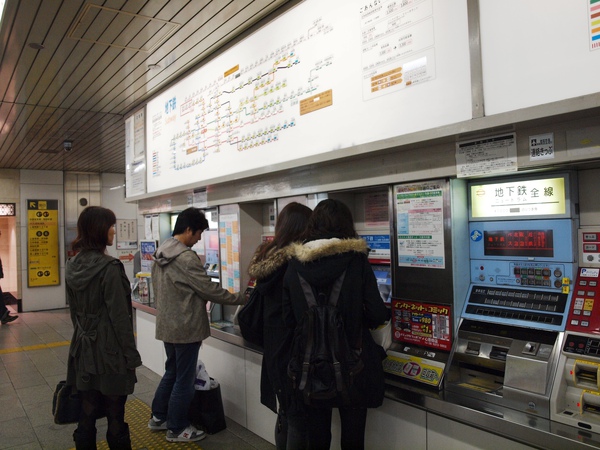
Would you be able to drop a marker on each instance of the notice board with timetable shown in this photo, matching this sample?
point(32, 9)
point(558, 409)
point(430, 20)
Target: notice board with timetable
point(43, 265)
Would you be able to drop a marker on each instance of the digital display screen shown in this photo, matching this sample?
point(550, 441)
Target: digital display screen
point(527, 243)
point(211, 239)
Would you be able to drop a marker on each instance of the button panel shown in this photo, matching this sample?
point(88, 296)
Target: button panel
point(528, 274)
point(585, 305)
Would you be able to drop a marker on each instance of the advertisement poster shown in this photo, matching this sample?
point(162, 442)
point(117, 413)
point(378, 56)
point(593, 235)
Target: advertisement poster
point(147, 249)
point(379, 246)
point(43, 266)
point(425, 324)
point(229, 227)
point(420, 224)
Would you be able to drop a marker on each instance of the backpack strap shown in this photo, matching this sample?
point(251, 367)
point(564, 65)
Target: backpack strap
point(336, 289)
point(308, 292)
point(312, 301)
point(333, 337)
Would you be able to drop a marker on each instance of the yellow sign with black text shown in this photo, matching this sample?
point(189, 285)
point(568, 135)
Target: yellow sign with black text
point(43, 265)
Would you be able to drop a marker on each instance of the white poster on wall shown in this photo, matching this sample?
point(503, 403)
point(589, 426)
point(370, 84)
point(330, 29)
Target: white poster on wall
point(420, 224)
point(486, 156)
point(321, 78)
point(135, 154)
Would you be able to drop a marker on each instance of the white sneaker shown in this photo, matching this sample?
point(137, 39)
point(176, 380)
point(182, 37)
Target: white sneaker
point(190, 434)
point(156, 424)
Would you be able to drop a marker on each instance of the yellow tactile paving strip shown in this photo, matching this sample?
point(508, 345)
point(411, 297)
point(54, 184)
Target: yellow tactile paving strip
point(137, 414)
point(34, 347)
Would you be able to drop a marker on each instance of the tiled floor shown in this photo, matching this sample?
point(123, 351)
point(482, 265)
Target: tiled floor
point(33, 355)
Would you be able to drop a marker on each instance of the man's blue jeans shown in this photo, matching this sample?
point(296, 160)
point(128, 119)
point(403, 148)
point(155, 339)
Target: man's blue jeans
point(175, 391)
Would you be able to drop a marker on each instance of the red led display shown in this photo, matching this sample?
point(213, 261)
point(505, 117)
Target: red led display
point(528, 243)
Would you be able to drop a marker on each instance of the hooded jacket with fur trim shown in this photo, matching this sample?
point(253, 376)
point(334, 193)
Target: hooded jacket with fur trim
point(269, 273)
point(321, 262)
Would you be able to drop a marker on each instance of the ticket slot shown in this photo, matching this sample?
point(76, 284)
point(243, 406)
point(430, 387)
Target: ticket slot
point(576, 393)
point(585, 375)
point(589, 403)
point(482, 380)
point(498, 353)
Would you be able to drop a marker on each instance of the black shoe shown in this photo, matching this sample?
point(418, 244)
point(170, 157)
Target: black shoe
point(9, 319)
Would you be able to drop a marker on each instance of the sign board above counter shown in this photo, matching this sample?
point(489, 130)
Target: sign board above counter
point(323, 77)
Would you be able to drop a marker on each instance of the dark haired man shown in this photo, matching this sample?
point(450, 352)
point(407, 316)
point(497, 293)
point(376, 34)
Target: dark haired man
point(181, 290)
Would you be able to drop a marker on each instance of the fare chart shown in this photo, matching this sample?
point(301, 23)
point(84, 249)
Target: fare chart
point(322, 78)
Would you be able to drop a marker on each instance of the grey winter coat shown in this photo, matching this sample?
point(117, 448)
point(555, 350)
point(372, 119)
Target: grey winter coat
point(181, 290)
point(102, 354)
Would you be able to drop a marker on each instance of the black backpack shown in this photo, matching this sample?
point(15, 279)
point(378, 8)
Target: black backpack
point(323, 364)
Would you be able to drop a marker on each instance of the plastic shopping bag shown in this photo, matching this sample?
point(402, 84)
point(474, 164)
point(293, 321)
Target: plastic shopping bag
point(202, 381)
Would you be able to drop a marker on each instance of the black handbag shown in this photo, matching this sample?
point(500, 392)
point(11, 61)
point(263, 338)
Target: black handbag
point(250, 319)
point(66, 404)
point(206, 410)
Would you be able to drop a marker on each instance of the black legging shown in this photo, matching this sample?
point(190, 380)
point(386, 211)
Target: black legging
point(93, 405)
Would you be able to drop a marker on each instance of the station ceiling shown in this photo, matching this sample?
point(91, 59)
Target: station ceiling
point(72, 70)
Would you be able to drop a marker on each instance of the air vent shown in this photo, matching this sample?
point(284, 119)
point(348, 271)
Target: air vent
point(121, 29)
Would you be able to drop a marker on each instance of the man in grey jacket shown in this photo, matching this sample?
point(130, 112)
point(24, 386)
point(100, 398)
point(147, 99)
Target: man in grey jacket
point(181, 290)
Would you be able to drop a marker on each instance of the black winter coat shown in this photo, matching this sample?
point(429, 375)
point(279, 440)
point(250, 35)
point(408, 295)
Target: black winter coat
point(321, 262)
point(277, 336)
point(103, 354)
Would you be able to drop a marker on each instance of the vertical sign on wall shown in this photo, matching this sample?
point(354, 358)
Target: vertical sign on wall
point(229, 236)
point(594, 24)
point(135, 154)
point(42, 243)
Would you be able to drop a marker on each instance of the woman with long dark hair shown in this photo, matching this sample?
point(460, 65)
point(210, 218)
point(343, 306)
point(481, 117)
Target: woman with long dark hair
point(102, 355)
point(268, 266)
point(333, 251)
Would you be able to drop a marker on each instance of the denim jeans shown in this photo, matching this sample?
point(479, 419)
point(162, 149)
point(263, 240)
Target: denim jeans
point(312, 430)
point(175, 391)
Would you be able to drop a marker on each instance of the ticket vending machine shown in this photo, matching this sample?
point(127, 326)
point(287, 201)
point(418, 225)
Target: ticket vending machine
point(576, 392)
point(522, 263)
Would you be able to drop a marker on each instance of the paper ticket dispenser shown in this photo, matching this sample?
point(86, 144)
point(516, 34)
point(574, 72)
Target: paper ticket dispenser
point(576, 392)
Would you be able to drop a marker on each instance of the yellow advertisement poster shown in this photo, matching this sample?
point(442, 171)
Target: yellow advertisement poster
point(43, 264)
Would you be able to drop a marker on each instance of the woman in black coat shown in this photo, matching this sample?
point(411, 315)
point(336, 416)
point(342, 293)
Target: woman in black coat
point(103, 354)
point(268, 266)
point(330, 249)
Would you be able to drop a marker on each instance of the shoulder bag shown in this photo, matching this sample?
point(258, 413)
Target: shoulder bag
point(66, 404)
point(250, 319)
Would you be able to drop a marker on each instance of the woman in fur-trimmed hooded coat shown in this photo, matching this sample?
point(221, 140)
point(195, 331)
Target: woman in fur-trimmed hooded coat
point(268, 266)
point(332, 247)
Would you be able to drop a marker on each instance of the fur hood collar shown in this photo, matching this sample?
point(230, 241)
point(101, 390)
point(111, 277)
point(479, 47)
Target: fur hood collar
point(320, 248)
point(275, 259)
